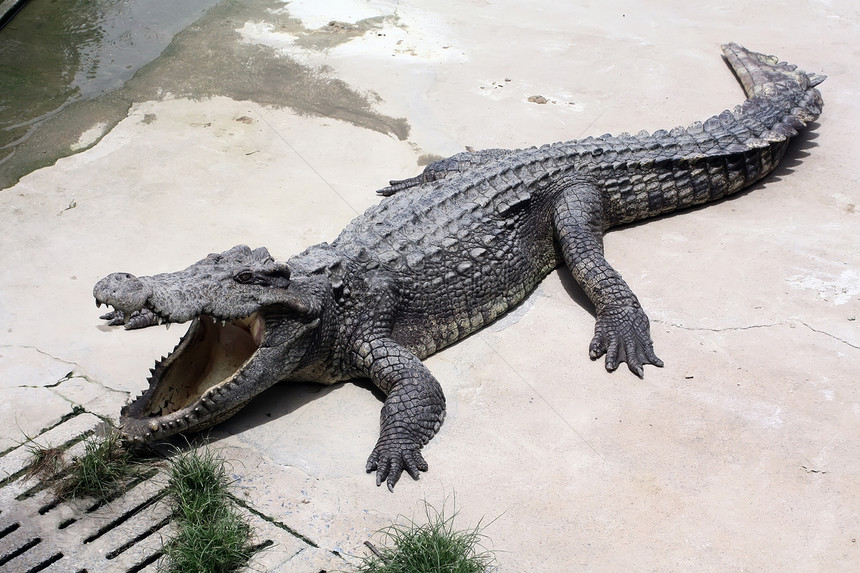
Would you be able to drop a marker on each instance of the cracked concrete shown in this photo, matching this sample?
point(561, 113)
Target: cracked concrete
point(740, 454)
point(824, 332)
point(789, 323)
point(39, 389)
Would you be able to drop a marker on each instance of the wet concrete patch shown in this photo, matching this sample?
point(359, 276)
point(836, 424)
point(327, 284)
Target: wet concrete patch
point(59, 54)
point(207, 58)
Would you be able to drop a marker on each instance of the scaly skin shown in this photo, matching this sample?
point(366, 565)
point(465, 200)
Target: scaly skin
point(443, 255)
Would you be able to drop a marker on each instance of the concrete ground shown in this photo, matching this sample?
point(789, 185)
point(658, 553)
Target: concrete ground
point(741, 454)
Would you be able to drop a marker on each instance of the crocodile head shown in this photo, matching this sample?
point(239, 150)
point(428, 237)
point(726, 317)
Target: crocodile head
point(251, 326)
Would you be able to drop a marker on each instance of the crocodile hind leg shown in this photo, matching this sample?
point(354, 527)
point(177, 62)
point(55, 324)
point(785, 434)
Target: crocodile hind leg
point(622, 330)
point(458, 163)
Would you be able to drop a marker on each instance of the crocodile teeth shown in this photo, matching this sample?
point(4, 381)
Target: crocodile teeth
point(257, 328)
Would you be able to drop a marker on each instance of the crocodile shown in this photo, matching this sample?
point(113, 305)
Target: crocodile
point(442, 255)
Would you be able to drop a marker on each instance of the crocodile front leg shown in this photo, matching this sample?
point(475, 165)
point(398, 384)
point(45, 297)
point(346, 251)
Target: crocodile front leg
point(622, 330)
point(414, 406)
point(138, 319)
point(412, 413)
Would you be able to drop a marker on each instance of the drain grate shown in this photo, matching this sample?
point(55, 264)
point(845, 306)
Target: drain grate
point(41, 533)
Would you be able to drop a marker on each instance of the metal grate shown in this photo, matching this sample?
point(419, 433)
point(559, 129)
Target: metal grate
point(41, 533)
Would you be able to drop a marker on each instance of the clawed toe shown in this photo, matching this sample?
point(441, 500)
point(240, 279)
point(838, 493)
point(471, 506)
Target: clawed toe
point(390, 463)
point(623, 335)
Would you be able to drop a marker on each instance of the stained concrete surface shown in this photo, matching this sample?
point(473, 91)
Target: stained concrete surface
point(742, 453)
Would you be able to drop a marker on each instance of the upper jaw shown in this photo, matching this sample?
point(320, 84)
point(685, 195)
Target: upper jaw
point(145, 302)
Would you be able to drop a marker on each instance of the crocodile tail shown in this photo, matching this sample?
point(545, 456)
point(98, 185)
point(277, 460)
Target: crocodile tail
point(789, 92)
point(706, 161)
point(755, 70)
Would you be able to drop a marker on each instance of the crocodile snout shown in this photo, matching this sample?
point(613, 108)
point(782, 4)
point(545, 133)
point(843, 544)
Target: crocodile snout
point(123, 291)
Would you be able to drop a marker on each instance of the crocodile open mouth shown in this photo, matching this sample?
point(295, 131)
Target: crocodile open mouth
point(193, 385)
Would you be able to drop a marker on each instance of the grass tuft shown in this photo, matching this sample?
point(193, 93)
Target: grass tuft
point(101, 472)
point(211, 536)
point(435, 547)
point(47, 462)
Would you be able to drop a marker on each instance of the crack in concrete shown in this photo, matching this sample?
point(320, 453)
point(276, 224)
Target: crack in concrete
point(833, 336)
point(97, 383)
point(789, 323)
point(71, 376)
point(74, 373)
point(40, 351)
point(722, 329)
point(277, 523)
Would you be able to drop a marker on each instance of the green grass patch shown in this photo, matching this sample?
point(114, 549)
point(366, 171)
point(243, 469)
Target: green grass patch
point(434, 547)
point(102, 472)
point(211, 536)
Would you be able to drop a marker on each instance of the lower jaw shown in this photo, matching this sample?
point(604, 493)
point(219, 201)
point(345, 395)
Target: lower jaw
point(211, 354)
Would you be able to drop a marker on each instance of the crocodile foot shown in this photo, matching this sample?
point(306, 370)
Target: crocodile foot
point(137, 319)
point(623, 334)
point(394, 452)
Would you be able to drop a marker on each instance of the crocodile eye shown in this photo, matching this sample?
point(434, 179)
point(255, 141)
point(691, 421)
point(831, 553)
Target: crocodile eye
point(244, 277)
